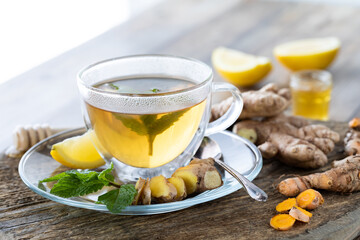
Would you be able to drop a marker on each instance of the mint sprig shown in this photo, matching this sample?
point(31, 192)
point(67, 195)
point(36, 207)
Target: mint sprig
point(150, 125)
point(79, 183)
point(116, 200)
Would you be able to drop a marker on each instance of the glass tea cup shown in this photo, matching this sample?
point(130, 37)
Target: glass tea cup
point(148, 133)
point(311, 93)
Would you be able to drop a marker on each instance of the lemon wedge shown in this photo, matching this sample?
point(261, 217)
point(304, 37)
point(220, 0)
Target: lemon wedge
point(77, 152)
point(314, 53)
point(239, 68)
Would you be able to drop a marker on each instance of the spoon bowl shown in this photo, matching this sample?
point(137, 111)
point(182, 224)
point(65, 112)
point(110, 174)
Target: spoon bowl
point(210, 149)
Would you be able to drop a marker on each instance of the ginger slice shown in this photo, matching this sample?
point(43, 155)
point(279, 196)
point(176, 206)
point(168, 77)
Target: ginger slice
point(162, 190)
point(146, 196)
point(309, 199)
point(282, 222)
point(200, 175)
point(140, 185)
point(286, 205)
point(180, 187)
point(300, 214)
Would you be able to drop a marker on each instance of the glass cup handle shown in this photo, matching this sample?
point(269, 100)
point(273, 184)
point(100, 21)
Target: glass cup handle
point(232, 114)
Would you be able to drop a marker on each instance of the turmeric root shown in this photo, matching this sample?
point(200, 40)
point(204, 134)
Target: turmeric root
point(286, 205)
point(266, 102)
point(300, 214)
point(282, 222)
point(162, 190)
point(343, 177)
point(309, 199)
point(352, 138)
point(292, 139)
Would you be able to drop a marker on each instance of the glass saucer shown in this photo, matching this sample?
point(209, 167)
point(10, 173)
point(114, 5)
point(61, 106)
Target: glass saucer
point(37, 164)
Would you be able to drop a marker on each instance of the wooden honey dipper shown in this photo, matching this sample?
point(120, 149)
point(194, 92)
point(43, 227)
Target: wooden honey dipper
point(24, 137)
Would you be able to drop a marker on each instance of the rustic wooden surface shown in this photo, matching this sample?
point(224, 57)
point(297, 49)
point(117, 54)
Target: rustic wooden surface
point(191, 28)
point(26, 215)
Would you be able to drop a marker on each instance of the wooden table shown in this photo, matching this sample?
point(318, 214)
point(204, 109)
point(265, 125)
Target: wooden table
point(48, 93)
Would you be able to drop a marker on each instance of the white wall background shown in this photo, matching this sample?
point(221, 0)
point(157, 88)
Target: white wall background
point(31, 32)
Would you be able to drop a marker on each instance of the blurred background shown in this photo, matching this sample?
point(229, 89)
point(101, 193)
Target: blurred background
point(45, 43)
point(35, 31)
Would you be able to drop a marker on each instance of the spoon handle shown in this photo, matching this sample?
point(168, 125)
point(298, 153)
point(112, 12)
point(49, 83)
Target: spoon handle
point(254, 191)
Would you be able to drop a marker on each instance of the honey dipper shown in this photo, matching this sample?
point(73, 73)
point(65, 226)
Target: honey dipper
point(24, 137)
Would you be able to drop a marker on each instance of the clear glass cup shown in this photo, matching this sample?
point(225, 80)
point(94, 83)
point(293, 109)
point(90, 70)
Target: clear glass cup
point(311, 93)
point(126, 116)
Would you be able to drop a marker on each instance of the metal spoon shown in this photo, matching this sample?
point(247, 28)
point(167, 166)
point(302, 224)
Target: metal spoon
point(210, 149)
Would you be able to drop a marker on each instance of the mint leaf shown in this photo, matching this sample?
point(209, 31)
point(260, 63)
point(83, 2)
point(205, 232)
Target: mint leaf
point(58, 176)
point(79, 184)
point(113, 86)
point(41, 186)
point(116, 200)
point(132, 124)
point(106, 176)
point(155, 90)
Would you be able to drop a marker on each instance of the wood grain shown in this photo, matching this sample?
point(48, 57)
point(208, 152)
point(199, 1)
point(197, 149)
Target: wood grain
point(26, 215)
point(191, 28)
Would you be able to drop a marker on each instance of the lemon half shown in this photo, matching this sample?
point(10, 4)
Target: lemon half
point(314, 53)
point(77, 152)
point(239, 68)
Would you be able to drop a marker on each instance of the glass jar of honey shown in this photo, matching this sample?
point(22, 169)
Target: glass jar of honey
point(311, 93)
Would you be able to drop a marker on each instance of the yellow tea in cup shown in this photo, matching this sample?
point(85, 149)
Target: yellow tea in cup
point(141, 140)
point(311, 93)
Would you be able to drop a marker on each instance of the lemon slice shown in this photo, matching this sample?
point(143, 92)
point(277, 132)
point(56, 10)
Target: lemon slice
point(239, 68)
point(314, 53)
point(77, 152)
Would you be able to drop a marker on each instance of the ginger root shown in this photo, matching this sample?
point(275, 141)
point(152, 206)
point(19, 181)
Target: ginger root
point(352, 138)
point(300, 214)
point(286, 205)
point(180, 187)
point(140, 185)
point(309, 199)
point(266, 102)
point(292, 139)
point(282, 222)
point(343, 177)
point(162, 190)
point(200, 175)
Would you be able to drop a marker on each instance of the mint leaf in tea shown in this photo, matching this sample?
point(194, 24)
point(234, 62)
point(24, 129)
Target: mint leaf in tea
point(146, 140)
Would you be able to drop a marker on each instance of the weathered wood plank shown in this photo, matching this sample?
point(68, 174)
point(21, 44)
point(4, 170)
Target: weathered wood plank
point(24, 214)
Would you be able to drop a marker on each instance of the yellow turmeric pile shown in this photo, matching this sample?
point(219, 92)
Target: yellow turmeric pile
point(293, 209)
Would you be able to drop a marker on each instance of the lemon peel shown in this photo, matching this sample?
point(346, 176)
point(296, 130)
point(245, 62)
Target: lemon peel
point(239, 68)
point(312, 53)
point(78, 152)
